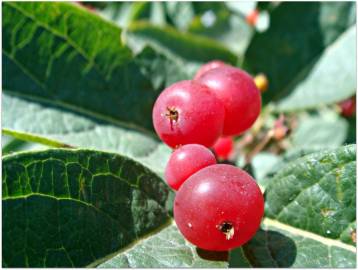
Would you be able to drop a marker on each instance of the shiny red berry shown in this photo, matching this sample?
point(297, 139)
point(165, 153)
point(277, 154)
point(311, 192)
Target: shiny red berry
point(208, 66)
point(223, 147)
point(239, 94)
point(219, 208)
point(188, 112)
point(185, 161)
point(348, 107)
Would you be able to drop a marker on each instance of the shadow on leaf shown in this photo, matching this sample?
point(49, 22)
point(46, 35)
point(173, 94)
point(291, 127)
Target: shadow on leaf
point(213, 255)
point(266, 249)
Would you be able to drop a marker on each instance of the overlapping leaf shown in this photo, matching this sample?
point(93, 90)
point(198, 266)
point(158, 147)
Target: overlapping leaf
point(74, 207)
point(278, 245)
point(311, 216)
point(316, 193)
point(307, 52)
point(166, 249)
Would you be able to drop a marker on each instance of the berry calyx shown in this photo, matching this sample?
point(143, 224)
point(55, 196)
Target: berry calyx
point(185, 161)
point(188, 112)
point(208, 66)
point(219, 208)
point(223, 147)
point(237, 91)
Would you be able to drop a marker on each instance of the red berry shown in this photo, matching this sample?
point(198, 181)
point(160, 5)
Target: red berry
point(348, 107)
point(252, 17)
point(185, 161)
point(208, 66)
point(188, 112)
point(223, 147)
point(219, 208)
point(239, 94)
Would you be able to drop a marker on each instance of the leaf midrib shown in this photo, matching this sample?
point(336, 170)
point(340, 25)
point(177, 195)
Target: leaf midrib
point(58, 34)
point(58, 102)
point(307, 234)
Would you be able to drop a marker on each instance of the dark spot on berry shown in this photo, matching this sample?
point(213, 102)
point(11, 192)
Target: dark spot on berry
point(227, 228)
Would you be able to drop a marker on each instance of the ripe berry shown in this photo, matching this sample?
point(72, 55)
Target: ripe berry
point(239, 94)
point(219, 208)
point(185, 161)
point(348, 107)
point(223, 147)
point(252, 17)
point(188, 112)
point(208, 66)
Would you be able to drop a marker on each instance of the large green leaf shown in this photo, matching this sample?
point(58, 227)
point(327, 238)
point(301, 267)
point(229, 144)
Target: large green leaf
point(166, 249)
point(332, 78)
point(304, 38)
point(316, 193)
point(279, 245)
point(75, 207)
point(73, 59)
point(310, 215)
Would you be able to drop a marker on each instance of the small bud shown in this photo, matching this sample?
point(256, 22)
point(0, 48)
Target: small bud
point(261, 82)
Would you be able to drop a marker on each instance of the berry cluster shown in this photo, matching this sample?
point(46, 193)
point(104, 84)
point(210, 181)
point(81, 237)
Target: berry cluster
point(217, 206)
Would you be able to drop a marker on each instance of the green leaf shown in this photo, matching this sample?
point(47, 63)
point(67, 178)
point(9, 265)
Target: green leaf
point(64, 208)
point(316, 193)
point(310, 215)
point(287, 52)
point(187, 48)
point(80, 64)
point(332, 78)
point(279, 245)
point(327, 130)
point(58, 128)
point(166, 249)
